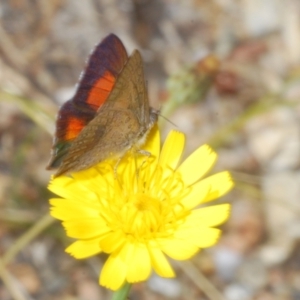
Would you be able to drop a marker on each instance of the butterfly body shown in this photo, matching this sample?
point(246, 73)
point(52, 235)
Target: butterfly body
point(109, 113)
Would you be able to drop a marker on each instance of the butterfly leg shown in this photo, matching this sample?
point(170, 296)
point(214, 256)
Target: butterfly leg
point(143, 152)
point(139, 151)
point(117, 165)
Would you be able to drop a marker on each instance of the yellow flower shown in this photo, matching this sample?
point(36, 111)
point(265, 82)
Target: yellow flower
point(145, 212)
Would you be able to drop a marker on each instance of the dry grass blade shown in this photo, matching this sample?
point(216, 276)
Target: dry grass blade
point(27, 237)
point(15, 292)
point(200, 281)
point(41, 117)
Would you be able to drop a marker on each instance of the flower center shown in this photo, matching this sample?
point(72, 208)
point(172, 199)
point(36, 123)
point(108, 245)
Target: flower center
point(144, 203)
point(142, 216)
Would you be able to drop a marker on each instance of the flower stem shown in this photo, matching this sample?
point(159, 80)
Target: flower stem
point(122, 293)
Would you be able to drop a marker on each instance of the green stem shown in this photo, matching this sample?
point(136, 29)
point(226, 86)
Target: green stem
point(122, 293)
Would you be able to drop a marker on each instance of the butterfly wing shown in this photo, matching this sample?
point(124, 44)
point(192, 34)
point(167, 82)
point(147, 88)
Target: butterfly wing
point(104, 65)
point(120, 122)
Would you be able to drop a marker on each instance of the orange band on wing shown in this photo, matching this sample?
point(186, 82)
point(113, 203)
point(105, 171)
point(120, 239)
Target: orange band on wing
point(74, 126)
point(101, 89)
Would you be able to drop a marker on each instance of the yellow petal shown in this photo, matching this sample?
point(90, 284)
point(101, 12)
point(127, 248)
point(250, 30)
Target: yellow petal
point(62, 181)
point(69, 188)
point(198, 194)
point(86, 175)
point(126, 252)
point(112, 241)
point(152, 144)
point(136, 258)
point(86, 228)
point(201, 237)
point(84, 248)
point(92, 179)
point(139, 265)
point(172, 150)
point(220, 183)
point(129, 172)
point(197, 164)
point(207, 216)
point(160, 263)
point(113, 273)
point(136, 161)
point(179, 249)
point(63, 209)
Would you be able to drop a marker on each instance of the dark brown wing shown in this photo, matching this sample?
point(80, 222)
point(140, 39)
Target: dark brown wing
point(131, 80)
point(121, 121)
point(105, 64)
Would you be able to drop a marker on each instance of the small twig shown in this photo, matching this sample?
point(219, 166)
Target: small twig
point(246, 177)
point(8, 281)
point(264, 104)
point(10, 51)
point(15, 58)
point(21, 85)
point(28, 236)
point(35, 112)
point(17, 216)
point(200, 281)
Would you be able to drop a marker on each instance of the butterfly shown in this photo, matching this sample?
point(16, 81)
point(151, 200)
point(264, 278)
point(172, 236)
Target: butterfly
point(109, 113)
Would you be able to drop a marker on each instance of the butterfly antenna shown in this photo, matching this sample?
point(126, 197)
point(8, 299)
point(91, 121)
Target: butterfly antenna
point(168, 120)
point(157, 111)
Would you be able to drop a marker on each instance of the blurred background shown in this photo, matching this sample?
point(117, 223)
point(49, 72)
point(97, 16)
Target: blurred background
point(226, 72)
